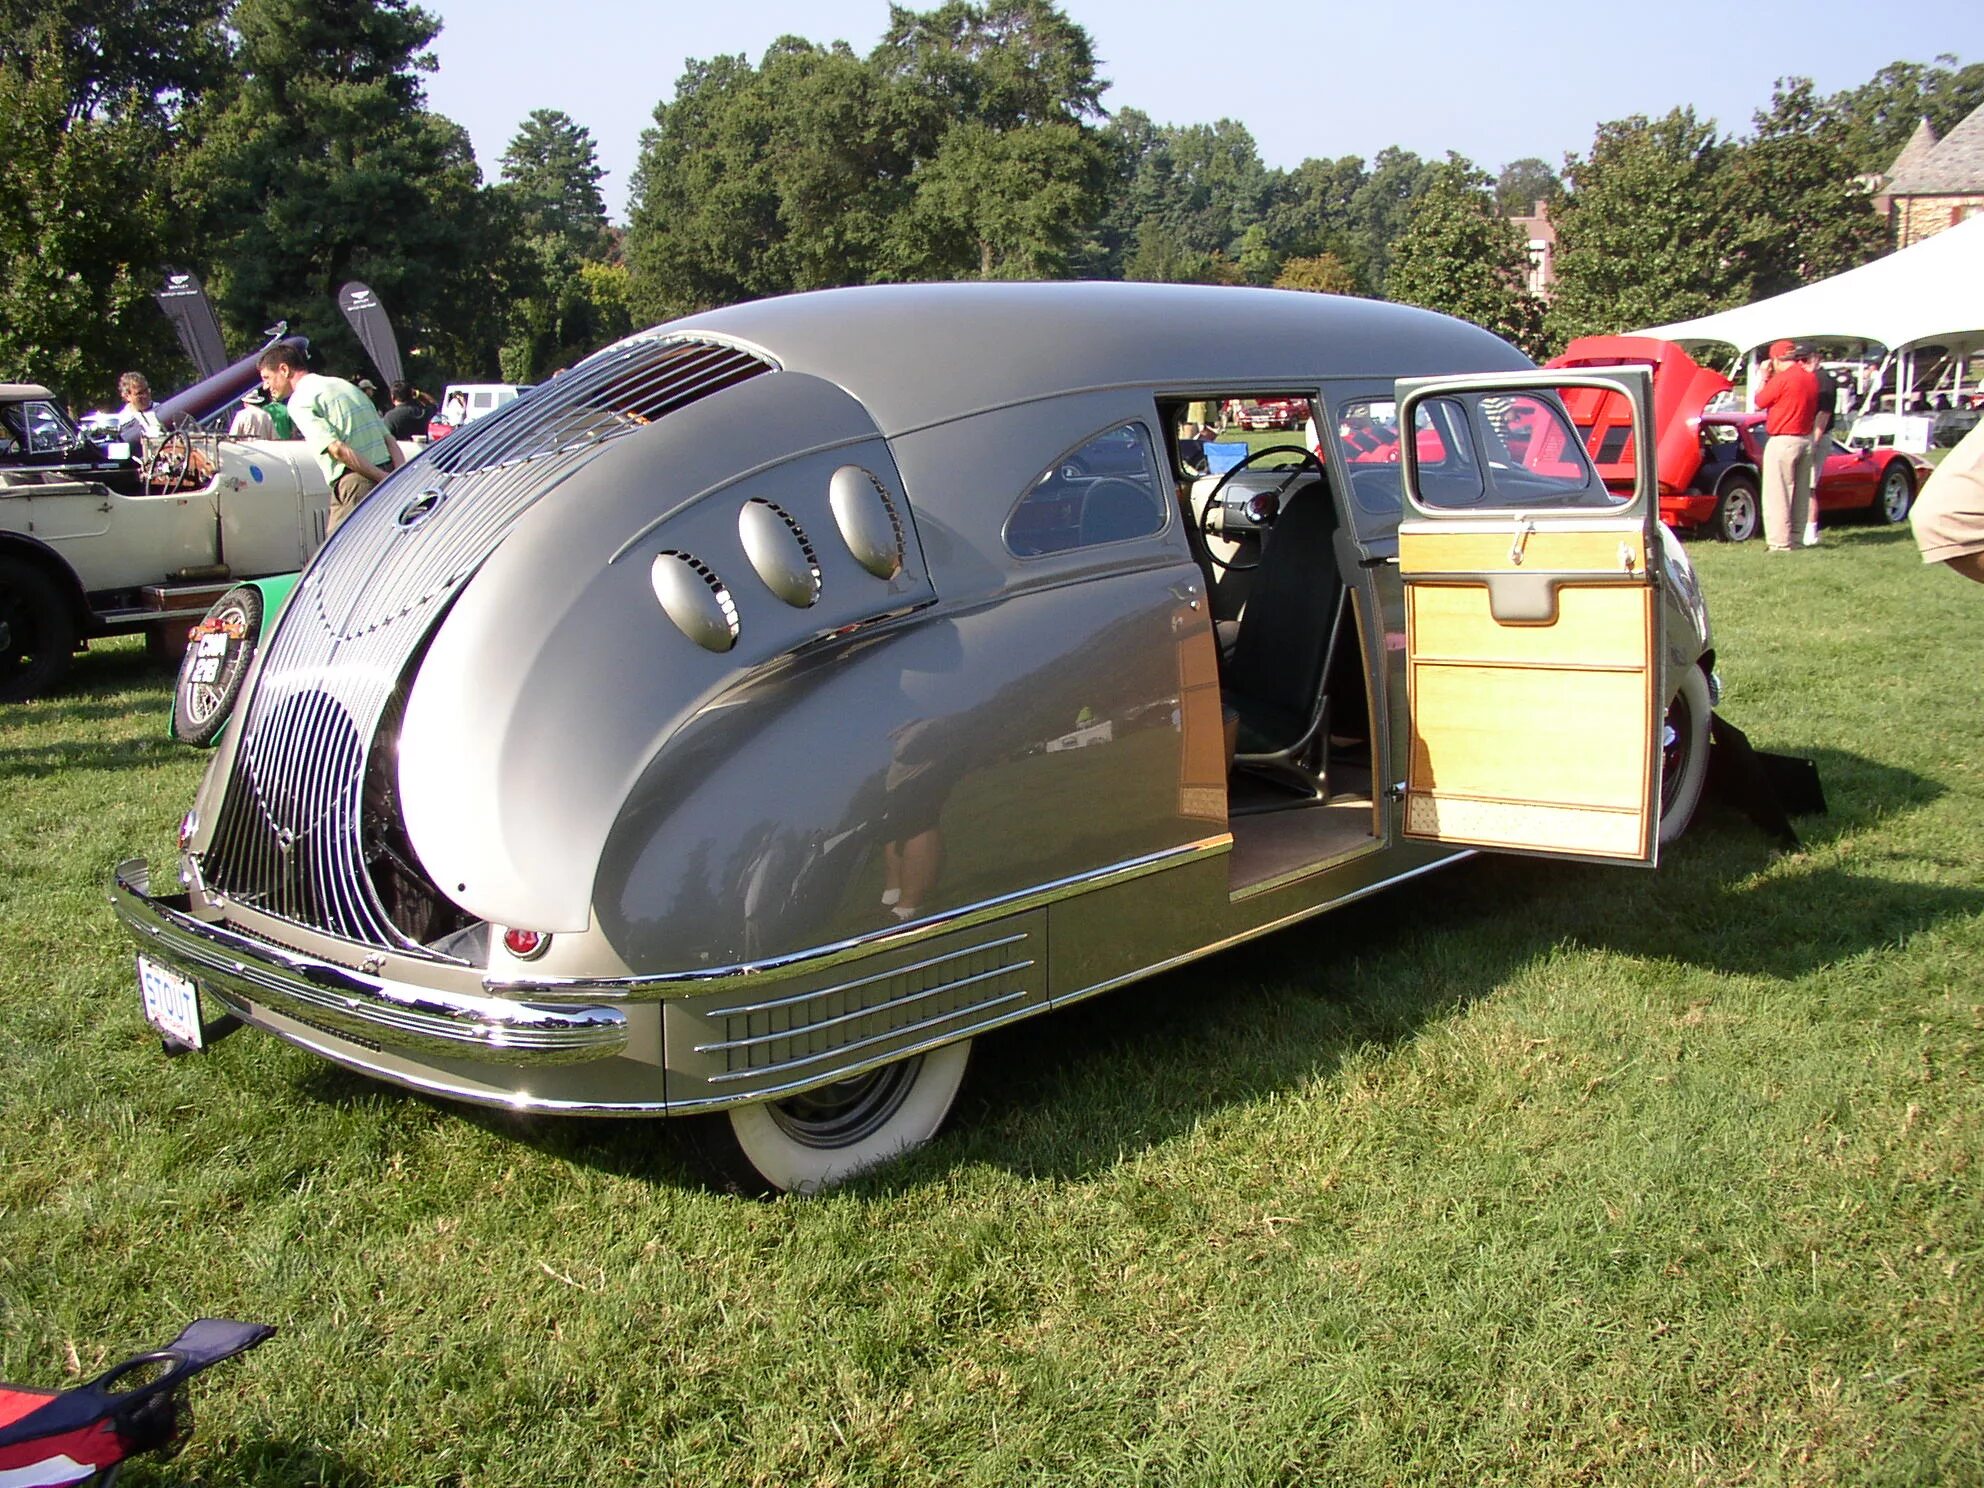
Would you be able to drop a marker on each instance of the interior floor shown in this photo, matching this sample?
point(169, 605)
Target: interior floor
point(1278, 836)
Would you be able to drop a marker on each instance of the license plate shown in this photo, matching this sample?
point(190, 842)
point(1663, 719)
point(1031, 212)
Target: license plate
point(207, 657)
point(172, 1003)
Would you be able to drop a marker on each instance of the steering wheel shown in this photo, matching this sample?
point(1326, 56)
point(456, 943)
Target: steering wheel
point(169, 463)
point(1268, 502)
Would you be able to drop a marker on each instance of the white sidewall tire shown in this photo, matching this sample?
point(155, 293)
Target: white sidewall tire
point(788, 1164)
point(1676, 812)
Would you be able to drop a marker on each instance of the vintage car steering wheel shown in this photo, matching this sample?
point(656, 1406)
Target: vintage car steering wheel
point(1264, 505)
point(169, 464)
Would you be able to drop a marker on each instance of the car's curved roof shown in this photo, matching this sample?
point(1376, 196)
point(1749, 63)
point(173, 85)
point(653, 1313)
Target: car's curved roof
point(12, 392)
point(915, 354)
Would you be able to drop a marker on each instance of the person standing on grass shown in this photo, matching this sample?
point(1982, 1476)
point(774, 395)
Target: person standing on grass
point(1815, 459)
point(1949, 517)
point(1791, 401)
point(339, 424)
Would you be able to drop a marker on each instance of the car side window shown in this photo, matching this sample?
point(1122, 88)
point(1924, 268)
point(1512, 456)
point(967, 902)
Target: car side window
point(1505, 451)
point(1104, 490)
point(1367, 431)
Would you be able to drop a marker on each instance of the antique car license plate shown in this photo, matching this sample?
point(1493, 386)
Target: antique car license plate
point(172, 1003)
point(211, 648)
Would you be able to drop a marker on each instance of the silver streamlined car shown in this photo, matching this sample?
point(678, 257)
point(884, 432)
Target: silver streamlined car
point(784, 696)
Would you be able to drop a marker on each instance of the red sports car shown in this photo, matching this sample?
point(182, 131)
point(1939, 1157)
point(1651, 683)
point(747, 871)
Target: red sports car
point(1875, 484)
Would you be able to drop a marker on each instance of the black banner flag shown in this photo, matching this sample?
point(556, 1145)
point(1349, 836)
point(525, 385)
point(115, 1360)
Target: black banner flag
point(370, 324)
point(192, 315)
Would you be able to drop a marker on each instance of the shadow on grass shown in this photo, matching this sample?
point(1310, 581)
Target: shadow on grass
point(1068, 1095)
point(36, 761)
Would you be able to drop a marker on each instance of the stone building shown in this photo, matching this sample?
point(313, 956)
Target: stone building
point(1541, 236)
point(1934, 183)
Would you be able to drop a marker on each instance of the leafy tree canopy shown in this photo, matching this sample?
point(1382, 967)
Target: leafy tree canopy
point(1459, 256)
point(103, 56)
point(83, 228)
point(1641, 236)
point(1880, 114)
point(321, 163)
point(552, 169)
point(1523, 183)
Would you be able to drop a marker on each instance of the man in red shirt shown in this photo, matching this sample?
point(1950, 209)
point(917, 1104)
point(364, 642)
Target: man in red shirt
point(1791, 401)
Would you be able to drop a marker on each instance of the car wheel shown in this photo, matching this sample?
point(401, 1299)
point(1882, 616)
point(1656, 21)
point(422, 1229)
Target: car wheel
point(1737, 512)
point(1897, 494)
point(1684, 754)
point(37, 631)
point(814, 1140)
point(216, 665)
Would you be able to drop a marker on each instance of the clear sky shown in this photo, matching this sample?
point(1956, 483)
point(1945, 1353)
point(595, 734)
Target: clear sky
point(1495, 82)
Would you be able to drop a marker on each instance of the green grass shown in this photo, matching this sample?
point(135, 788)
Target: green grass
point(1526, 1173)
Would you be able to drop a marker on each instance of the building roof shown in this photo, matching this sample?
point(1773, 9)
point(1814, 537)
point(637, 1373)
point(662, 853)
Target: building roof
point(1915, 153)
point(1955, 167)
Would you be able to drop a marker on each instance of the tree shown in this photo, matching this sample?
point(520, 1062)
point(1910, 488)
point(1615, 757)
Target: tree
point(1459, 256)
point(552, 170)
point(83, 230)
point(1381, 206)
point(557, 224)
point(1000, 103)
point(321, 163)
point(1643, 234)
point(758, 181)
point(1311, 216)
point(1799, 214)
point(963, 146)
point(1523, 183)
point(108, 58)
point(1324, 273)
point(1880, 114)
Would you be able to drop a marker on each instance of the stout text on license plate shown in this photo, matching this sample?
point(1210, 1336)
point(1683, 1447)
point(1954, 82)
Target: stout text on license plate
point(172, 1003)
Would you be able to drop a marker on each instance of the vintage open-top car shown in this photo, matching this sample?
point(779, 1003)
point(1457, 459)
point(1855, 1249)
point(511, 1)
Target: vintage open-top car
point(747, 719)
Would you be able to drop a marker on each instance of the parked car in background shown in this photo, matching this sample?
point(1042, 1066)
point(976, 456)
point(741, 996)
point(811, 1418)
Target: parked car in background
point(101, 540)
point(741, 724)
point(1274, 413)
point(1876, 485)
point(465, 402)
point(1709, 464)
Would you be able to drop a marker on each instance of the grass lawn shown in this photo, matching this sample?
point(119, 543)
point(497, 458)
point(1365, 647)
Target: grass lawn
point(1525, 1173)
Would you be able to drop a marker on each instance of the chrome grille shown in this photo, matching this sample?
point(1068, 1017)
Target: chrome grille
point(297, 828)
point(782, 1036)
point(614, 392)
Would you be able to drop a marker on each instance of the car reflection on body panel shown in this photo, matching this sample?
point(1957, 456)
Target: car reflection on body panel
point(755, 714)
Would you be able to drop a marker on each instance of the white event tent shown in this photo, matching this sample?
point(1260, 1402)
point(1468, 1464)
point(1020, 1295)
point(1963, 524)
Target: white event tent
point(1931, 293)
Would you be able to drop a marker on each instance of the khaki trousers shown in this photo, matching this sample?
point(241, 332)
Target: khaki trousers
point(347, 491)
point(1787, 490)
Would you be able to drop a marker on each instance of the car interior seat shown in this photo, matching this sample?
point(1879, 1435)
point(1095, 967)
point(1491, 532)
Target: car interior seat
point(1274, 676)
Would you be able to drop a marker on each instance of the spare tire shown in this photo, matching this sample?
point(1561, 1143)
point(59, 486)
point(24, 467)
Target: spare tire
point(215, 667)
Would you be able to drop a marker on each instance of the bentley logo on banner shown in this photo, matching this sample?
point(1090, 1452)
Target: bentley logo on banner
point(369, 322)
point(186, 305)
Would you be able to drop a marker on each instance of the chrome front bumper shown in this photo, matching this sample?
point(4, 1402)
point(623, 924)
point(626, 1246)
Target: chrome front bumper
point(244, 973)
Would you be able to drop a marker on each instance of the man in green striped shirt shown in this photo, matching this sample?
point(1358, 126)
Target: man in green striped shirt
point(339, 424)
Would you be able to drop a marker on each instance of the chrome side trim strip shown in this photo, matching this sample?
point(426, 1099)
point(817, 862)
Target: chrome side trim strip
point(933, 1022)
point(656, 986)
point(367, 1008)
point(880, 976)
point(1185, 957)
point(759, 1039)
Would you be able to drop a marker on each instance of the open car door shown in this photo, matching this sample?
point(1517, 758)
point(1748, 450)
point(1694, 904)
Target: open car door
point(1533, 620)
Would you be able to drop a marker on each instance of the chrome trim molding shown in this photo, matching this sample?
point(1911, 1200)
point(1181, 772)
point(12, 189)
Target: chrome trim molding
point(1268, 928)
point(669, 984)
point(368, 1008)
